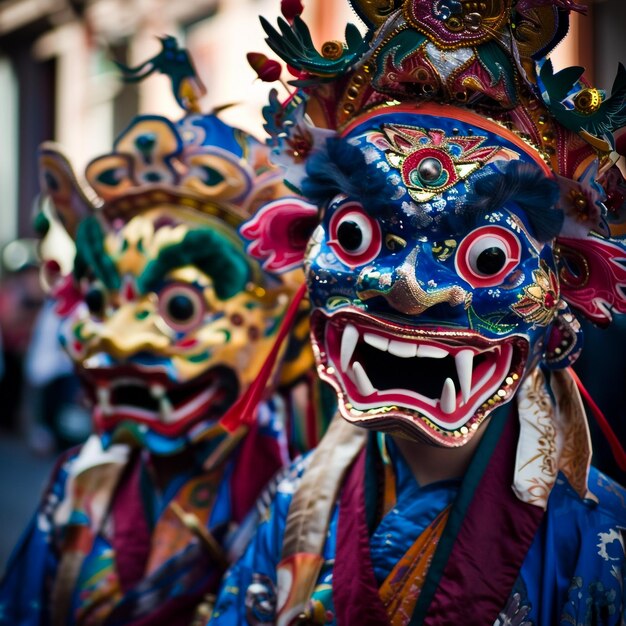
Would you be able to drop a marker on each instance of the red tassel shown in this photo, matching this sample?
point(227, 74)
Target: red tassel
point(243, 412)
point(616, 447)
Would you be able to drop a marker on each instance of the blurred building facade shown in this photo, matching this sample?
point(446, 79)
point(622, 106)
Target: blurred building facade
point(58, 80)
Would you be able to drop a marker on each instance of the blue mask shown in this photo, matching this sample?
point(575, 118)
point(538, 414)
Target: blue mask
point(431, 275)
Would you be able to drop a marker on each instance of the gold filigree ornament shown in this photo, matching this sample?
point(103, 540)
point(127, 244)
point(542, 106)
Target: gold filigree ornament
point(375, 11)
point(332, 50)
point(588, 101)
point(539, 304)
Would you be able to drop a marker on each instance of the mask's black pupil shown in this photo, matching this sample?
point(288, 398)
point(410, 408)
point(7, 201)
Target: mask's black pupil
point(349, 235)
point(180, 308)
point(94, 299)
point(491, 261)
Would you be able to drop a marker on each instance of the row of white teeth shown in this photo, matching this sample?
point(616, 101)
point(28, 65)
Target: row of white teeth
point(464, 360)
point(166, 414)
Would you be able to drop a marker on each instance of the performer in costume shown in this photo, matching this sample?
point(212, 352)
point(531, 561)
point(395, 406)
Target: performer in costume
point(180, 339)
point(467, 199)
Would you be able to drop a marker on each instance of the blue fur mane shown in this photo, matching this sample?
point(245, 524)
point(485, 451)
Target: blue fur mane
point(341, 168)
point(526, 186)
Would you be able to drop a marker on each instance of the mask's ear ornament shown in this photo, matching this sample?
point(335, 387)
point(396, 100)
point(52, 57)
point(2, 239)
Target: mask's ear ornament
point(58, 182)
point(279, 232)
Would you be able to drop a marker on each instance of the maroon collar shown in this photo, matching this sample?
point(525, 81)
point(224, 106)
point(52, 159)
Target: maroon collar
point(479, 556)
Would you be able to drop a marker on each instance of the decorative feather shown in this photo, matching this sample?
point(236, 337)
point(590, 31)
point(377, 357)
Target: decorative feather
point(295, 46)
point(609, 116)
point(526, 186)
point(341, 168)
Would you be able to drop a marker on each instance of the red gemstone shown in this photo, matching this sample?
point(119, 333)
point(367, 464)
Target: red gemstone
point(549, 300)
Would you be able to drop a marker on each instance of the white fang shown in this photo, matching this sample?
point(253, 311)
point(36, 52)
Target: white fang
point(448, 397)
point(464, 367)
point(362, 381)
point(348, 344)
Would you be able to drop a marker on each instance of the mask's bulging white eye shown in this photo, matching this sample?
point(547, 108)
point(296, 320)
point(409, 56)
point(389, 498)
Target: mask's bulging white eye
point(354, 233)
point(354, 236)
point(487, 255)
point(181, 306)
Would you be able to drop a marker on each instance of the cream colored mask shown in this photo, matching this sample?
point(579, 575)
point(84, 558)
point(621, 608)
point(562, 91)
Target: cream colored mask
point(166, 318)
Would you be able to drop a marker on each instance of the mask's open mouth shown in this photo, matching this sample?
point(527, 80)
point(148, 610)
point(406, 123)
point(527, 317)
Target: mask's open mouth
point(150, 398)
point(441, 382)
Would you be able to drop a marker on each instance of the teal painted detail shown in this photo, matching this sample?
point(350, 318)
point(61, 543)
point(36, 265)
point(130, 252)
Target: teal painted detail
point(199, 358)
point(91, 255)
point(207, 250)
point(400, 47)
point(491, 323)
point(145, 144)
point(294, 45)
point(41, 224)
point(141, 315)
point(271, 327)
point(499, 67)
point(108, 178)
point(211, 176)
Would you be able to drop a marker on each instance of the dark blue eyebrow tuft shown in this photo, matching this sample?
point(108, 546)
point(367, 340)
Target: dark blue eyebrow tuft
point(341, 167)
point(525, 185)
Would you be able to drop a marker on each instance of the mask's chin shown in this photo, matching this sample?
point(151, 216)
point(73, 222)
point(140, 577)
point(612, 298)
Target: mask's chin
point(423, 383)
point(141, 406)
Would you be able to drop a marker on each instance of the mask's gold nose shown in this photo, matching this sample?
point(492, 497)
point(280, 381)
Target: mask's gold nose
point(130, 329)
point(407, 296)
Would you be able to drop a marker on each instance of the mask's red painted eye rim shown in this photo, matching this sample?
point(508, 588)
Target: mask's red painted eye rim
point(503, 238)
point(370, 229)
point(168, 293)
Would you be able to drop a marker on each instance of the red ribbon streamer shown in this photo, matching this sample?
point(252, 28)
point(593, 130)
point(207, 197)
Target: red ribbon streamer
point(616, 447)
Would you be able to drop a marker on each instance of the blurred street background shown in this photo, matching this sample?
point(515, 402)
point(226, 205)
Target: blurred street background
point(58, 81)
